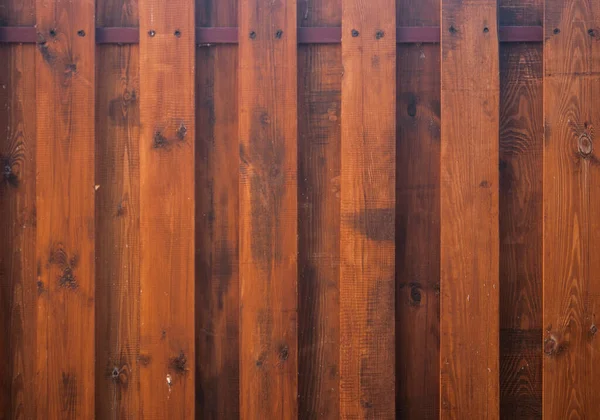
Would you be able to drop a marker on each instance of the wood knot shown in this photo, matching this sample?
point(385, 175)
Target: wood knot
point(554, 345)
point(593, 330)
point(452, 29)
point(279, 34)
point(181, 131)
point(379, 34)
point(159, 141)
point(179, 363)
point(585, 145)
point(415, 294)
point(284, 353)
point(355, 33)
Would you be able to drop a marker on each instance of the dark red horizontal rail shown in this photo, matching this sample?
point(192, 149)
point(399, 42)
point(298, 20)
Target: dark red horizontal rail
point(329, 35)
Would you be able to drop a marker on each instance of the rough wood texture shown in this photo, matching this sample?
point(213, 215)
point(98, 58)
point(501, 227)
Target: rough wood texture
point(217, 283)
point(65, 84)
point(368, 169)
point(521, 138)
point(268, 209)
point(418, 218)
point(571, 209)
point(17, 219)
point(469, 210)
point(117, 219)
point(167, 206)
point(319, 108)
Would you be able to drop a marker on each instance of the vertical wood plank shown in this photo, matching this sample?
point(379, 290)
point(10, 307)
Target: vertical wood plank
point(319, 108)
point(65, 208)
point(367, 253)
point(521, 142)
point(571, 209)
point(268, 209)
point(117, 219)
point(17, 219)
point(418, 217)
point(217, 168)
point(167, 137)
point(469, 210)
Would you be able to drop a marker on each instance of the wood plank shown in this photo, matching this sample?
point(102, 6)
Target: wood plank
point(167, 207)
point(469, 210)
point(65, 83)
point(418, 217)
point(571, 209)
point(319, 108)
point(521, 141)
point(268, 209)
point(367, 233)
point(17, 219)
point(217, 169)
point(117, 219)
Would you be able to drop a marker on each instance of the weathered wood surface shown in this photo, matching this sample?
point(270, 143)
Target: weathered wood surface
point(117, 219)
point(469, 210)
point(571, 209)
point(418, 217)
point(18, 292)
point(319, 109)
point(368, 199)
point(521, 142)
point(167, 205)
point(217, 213)
point(268, 209)
point(65, 252)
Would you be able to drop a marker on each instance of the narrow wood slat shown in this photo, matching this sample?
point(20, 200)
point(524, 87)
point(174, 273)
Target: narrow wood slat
point(571, 209)
point(367, 254)
point(268, 209)
point(117, 219)
point(217, 214)
point(18, 290)
point(65, 83)
point(469, 210)
point(319, 136)
point(418, 218)
point(167, 205)
point(520, 203)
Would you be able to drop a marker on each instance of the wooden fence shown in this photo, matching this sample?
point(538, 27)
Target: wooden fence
point(299, 209)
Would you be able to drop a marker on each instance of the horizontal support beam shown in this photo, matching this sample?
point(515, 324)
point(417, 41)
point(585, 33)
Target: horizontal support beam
point(229, 35)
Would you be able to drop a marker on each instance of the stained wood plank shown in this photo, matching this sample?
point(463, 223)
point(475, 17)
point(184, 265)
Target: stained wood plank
point(521, 138)
point(167, 138)
point(217, 168)
point(367, 254)
point(469, 210)
point(571, 209)
point(17, 219)
point(418, 217)
point(65, 82)
point(268, 209)
point(319, 108)
point(117, 219)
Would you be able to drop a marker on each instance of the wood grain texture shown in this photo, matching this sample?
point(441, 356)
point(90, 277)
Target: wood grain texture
point(65, 84)
point(571, 209)
point(368, 169)
point(319, 108)
point(167, 207)
point(117, 219)
point(17, 219)
point(521, 142)
point(217, 169)
point(268, 209)
point(418, 218)
point(469, 210)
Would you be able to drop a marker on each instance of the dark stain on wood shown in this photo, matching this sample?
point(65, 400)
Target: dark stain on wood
point(375, 223)
point(68, 394)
